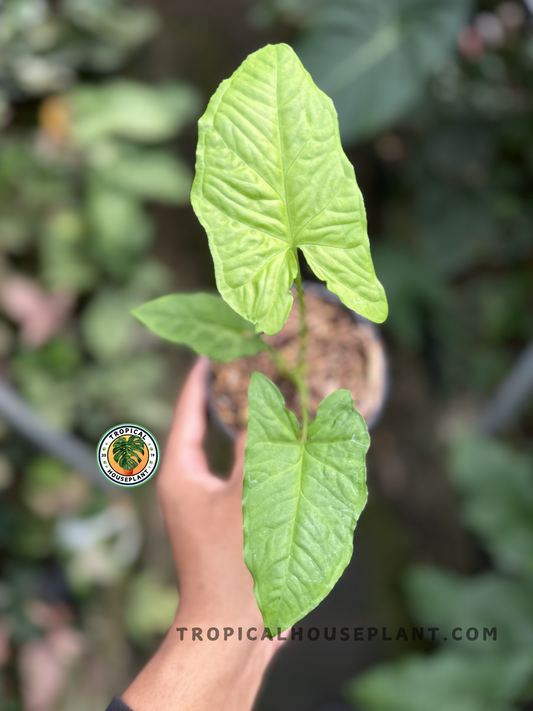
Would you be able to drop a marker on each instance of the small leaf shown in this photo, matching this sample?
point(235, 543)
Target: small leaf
point(301, 501)
point(203, 322)
point(271, 177)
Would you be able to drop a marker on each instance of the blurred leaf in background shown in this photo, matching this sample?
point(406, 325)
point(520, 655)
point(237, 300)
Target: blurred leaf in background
point(372, 58)
point(150, 607)
point(444, 681)
point(143, 174)
point(43, 46)
point(418, 292)
point(496, 487)
point(496, 484)
point(131, 110)
point(80, 158)
point(447, 600)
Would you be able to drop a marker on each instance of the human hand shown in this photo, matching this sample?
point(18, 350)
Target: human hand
point(203, 515)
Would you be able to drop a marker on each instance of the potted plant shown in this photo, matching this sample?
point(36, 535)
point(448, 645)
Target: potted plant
point(272, 180)
point(344, 351)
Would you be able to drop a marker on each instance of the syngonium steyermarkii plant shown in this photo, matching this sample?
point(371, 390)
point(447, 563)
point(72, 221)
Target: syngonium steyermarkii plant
point(272, 179)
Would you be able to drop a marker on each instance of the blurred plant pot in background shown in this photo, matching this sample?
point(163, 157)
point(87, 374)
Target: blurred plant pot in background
point(344, 350)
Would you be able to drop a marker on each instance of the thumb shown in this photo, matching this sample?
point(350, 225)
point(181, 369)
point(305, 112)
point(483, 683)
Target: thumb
point(185, 443)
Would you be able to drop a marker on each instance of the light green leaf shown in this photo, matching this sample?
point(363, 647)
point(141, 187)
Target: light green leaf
point(271, 177)
point(301, 501)
point(203, 322)
point(374, 58)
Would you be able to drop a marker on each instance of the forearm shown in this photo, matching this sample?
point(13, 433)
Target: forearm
point(186, 675)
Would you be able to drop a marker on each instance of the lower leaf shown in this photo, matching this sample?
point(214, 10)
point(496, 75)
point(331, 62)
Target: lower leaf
point(301, 500)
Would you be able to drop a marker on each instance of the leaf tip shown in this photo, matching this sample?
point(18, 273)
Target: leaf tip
point(382, 309)
point(137, 312)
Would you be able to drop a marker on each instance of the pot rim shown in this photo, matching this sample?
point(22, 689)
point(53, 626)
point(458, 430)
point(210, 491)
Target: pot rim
point(324, 293)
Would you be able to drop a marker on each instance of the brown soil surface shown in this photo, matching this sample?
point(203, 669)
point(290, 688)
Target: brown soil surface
point(341, 353)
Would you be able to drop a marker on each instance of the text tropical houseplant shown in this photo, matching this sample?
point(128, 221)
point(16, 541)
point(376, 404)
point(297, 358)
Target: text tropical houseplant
point(272, 179)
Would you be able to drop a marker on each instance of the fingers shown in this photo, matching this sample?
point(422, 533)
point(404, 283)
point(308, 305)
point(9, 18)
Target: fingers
point(185, 445)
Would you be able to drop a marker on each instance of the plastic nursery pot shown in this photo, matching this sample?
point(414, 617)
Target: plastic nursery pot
point(344, 350)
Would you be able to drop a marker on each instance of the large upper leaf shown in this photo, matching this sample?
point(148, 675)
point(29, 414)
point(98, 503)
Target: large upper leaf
point(203, 322)
point(373, 58)
point(271, 177)
point(301, 501)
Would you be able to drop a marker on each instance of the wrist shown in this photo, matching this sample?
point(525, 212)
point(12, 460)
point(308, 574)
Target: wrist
point(240, 642)
point(197, 674)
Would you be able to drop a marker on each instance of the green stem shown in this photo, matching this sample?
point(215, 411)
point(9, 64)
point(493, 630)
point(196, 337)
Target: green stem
point(300, 370)
point(296, 375)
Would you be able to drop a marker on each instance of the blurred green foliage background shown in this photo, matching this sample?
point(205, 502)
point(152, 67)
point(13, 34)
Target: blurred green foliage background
point(98, 103)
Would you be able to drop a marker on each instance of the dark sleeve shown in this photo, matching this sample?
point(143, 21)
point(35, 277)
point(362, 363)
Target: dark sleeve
point(117, 705)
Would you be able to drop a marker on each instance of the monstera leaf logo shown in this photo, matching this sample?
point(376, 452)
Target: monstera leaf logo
point(128, 452)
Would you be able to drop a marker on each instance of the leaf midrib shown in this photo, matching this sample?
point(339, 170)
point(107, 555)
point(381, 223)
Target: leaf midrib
point(301, 495)
point(299, 467)
point(293, 247)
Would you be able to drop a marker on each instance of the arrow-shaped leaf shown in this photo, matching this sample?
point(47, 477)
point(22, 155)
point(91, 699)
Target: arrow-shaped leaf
point(203, 322)
point(271, 178)
point(301, 501)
